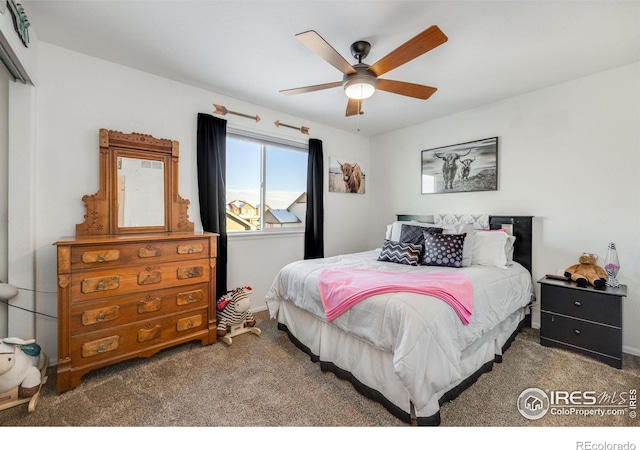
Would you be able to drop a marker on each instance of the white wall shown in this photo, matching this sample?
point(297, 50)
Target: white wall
point(77, 95)
point(559, 148)
point(568, 155)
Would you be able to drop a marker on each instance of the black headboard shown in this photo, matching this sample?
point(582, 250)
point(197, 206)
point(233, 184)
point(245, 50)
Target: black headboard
point(522, 230)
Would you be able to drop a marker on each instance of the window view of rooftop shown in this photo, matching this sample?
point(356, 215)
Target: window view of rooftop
point(266, 185)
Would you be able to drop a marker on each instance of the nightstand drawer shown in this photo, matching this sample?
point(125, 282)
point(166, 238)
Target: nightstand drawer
point(583, 304)
point(579, 333)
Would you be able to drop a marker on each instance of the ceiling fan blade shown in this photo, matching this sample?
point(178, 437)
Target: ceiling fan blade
point(354, 107)
point(316, 87)
point(419, 45)
point(403, 88)
point(314, 42)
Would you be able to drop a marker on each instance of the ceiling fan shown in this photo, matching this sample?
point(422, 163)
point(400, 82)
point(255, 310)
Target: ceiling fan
point(361, 80)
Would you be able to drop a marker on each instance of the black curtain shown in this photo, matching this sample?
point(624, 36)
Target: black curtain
point(212, 160)
point(314, 226)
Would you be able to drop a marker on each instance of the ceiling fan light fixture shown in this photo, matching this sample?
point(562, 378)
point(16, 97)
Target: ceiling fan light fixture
point(359, 90)
point(361, 84)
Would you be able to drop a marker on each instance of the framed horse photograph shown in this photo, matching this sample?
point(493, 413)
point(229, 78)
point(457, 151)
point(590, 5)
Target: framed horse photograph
point(468, 167)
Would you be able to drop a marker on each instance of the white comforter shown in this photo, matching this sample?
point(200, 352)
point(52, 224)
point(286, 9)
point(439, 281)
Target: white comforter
point(423, 333)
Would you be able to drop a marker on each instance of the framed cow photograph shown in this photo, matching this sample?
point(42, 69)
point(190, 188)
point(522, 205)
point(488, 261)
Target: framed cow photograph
point(468, 167)
point(346, 175)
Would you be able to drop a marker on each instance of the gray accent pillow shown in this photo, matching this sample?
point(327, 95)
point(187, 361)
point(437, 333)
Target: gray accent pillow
point(414, 233)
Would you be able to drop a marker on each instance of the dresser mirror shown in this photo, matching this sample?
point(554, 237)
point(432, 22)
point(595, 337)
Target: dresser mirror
point(138, 193)
point(140, 196)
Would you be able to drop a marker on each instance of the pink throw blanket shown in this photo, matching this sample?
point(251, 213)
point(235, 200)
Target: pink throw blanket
point(340, 289)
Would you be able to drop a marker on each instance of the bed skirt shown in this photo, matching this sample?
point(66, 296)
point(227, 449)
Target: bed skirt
point(371, 370)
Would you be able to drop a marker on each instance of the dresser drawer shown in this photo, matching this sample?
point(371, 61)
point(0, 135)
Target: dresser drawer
point(579, 333)
point(135, 279)
point(582, 304)
point(135, 337)
point(112, 312)
point(116, 254)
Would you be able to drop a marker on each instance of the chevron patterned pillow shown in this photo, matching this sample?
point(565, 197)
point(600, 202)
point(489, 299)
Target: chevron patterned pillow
point(400, 252)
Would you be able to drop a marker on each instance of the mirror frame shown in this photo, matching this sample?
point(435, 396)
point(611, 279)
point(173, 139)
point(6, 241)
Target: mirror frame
point(102, 207)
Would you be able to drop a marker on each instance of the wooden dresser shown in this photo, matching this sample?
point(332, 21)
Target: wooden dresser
point(135, 279)
point(127, 296)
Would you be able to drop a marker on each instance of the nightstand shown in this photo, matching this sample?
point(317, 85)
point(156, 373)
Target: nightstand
point(585, 320)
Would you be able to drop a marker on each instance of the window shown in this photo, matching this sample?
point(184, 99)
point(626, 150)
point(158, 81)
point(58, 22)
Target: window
point(266, 183)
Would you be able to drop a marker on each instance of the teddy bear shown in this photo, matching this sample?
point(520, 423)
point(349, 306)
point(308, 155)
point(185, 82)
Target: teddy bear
point(20, 365)
point(587, 272)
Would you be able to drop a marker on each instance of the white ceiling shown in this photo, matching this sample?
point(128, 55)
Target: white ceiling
point(247, 49)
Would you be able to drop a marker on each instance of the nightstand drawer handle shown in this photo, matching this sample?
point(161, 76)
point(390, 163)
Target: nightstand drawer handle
point(577, 303)
point(577, 332)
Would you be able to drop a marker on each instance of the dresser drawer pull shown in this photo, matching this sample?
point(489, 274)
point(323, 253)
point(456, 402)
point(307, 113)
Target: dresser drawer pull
point(189, 322)
point(149, 334)
point(100, 346)
point(100, 256)
point(94, 316)
point(150, 277)
point(186, 298)
point(577, 332)
point(149, 304)
point(577, 303)
point(189, 272)
point(190, 249)
point(99, 284)
point(148, 252)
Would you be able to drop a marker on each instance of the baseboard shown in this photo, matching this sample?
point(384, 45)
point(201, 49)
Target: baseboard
point(258, 309)
point(630, 350)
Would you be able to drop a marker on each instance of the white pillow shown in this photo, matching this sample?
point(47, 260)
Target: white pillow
point(394, 229)
point(509, 249)
point(493, 248)
point(467, 249)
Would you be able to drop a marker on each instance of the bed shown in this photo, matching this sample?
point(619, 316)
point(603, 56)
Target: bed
point(403, 348)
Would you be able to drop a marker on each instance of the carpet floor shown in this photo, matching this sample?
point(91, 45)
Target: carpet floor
point(265, 381)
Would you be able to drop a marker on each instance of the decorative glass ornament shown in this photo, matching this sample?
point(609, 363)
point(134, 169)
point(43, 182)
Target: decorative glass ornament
point(612, 266)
